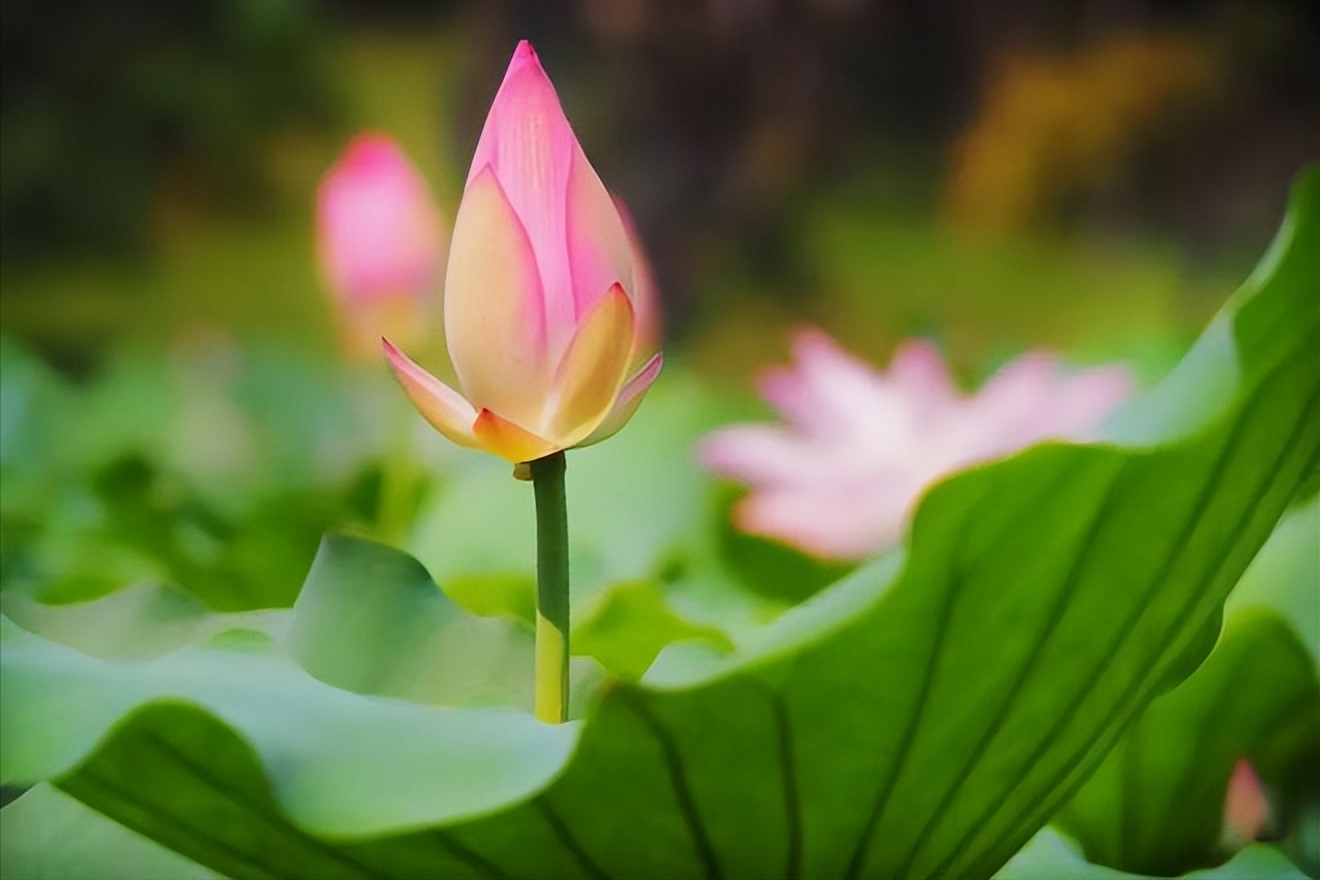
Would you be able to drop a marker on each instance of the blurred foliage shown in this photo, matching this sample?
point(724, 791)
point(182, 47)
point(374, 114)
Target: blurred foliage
point(105, 107)
point(1048, 856)
point(995, 635)
point(215, 469)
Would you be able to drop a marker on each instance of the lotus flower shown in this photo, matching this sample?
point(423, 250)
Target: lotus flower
point(547, 313)
point(841, 477)
point(1246, 806)
point(381, 242)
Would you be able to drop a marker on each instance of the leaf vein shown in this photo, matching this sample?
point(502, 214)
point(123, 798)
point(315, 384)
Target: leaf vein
point(222, 788)
point(566, 837)
point(110, 790)
point(909, 734)
point(678, 780)
point(466, 854)
point(792, 806)
point(1056, 615)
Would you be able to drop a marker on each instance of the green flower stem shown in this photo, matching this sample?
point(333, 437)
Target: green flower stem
point(551, 589)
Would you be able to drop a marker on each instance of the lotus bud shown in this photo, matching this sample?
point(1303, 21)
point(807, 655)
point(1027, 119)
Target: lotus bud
point(543, 291)
point(381, 243)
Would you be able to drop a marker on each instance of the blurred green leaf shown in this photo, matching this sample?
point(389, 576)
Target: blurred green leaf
point(923, 718)
point(47, 834)
point(1156, 803)
point(630, 624)
point(137, 622)
point(1048, 856)
point(370, 620)
point(214, 467)
point(512, 596)
point(1285, 576)
point(32, 398)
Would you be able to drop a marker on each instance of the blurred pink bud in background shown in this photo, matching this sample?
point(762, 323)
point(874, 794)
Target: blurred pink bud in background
point(1246, 807)
point(381, 244)
point(548, 317)
point(841, 476)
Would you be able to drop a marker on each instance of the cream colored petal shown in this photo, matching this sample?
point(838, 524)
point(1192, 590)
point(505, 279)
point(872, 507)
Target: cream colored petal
point(446, 409)
point(593, 368)
point(494, 320)
point(501, 437)
point(626, 403)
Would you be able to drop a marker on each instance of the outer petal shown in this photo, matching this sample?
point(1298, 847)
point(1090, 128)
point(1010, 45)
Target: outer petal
point(446, 409)
point(501, 437)
point(593, 368)
point(1029, 400)
point(644, 292)
point(1013, 405)
point(1088, 397)
point(826, 522)
point(918, 372)
point(528, 144)
point(493, 299)
point(754, 453)
point(827, 388)
point(626, 403)
point(598, 245)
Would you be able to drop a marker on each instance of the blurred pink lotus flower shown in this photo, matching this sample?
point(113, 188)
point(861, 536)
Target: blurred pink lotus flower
point(1246, 807)
point(548, 315)
point(381, 242)
point(858, 447)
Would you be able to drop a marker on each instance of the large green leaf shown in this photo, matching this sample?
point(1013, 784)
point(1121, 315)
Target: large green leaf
point(189, 777)
point(922, 718)
point(1156, 803)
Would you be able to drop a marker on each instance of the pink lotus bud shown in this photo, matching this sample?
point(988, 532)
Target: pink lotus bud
point(1246, 808)
point(840, 478)
point(541, 296)
point(380, 241)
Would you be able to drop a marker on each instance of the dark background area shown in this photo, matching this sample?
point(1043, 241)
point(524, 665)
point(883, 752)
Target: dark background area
point(729, 126)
